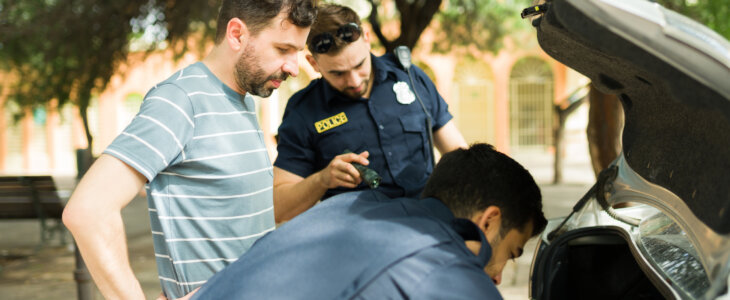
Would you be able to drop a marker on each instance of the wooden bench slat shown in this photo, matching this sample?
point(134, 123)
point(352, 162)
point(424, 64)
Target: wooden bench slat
point(18, 195)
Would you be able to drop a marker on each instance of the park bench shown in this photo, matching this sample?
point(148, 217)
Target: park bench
point(33, 197)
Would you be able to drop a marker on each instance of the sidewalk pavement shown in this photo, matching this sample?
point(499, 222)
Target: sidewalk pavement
point(47, 273)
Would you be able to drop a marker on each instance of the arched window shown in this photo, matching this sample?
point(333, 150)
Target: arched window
point(473, 109)
point(531, 105)
point(13, 139)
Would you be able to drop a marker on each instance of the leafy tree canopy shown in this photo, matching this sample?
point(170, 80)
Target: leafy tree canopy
point(712, 13)
point(68, 49)
point(482, 23)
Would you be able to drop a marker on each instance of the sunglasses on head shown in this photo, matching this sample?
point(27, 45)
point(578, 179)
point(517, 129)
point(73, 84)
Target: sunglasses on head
point(348, 33)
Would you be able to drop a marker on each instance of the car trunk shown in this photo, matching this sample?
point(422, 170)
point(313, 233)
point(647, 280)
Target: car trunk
point(676, 107)
point(596, 263)
point(671, 77)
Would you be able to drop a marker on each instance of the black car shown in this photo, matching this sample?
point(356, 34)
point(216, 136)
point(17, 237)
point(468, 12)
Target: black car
point(672, 76)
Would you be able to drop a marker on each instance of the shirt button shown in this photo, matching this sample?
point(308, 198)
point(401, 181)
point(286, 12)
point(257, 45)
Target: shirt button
point(390, 153)
point(381, 127)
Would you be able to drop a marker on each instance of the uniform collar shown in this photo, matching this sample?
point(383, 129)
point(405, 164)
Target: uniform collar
point(465, 228)
point(380, 68)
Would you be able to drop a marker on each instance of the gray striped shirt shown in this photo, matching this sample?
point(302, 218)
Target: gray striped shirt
point(210, 178)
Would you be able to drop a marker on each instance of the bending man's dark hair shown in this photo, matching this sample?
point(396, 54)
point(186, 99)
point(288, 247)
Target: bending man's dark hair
point(257, 14)
point(470, 180)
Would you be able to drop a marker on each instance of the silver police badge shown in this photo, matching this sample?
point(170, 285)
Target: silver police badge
point(403, 93)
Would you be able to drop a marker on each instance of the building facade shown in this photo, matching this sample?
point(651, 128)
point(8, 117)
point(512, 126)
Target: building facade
point(505, 99)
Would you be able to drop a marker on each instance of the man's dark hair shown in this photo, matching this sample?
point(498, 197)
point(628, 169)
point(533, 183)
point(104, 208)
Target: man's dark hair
point(329, 18)
point(258, 13)
point(470, 180)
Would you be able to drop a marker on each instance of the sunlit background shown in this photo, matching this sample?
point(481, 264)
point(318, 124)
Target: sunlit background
point(73, 74)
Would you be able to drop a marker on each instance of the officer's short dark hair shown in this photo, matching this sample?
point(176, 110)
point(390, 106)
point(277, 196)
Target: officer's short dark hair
point(329, 18)
point(470, 180)
point(257, 14)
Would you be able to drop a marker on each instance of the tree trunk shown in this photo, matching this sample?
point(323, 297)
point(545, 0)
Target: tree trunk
point(84, 159)
point(415, 17)
point(83, 112)
point(558, 143)
point(605, 122)
point(561, 113)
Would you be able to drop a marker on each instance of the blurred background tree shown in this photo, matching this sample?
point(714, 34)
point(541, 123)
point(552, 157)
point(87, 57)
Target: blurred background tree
point(65, 51)
point(461, 23)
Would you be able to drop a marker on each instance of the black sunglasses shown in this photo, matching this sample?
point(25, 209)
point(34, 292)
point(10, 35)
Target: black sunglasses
point(348, 33)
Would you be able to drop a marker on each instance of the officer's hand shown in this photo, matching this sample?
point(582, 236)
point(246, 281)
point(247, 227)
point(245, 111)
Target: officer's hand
point(341, 173)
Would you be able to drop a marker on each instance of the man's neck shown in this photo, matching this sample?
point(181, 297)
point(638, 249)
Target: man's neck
point(474, 246)
point(221, 66)
point(371, 80)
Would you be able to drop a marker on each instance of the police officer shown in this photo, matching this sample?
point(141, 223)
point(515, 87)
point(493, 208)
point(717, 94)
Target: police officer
point(364, 104)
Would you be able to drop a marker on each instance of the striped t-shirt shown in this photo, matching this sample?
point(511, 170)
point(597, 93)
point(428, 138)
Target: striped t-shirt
point(210, 178)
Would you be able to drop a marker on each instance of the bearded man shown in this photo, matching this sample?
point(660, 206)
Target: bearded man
point(197, 148)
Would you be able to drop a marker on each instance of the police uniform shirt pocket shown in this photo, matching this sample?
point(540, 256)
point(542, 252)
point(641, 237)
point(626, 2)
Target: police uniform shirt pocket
point(414, 131)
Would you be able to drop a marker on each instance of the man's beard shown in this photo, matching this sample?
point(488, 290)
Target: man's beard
point(494, 243)
point(250, 76)
point(350, 92)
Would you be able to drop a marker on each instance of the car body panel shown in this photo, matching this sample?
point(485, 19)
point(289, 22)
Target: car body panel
point(672, 76)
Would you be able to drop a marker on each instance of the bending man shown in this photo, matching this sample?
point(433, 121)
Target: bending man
point(477, 211)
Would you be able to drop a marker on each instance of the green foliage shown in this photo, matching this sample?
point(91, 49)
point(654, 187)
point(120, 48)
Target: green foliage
point(415, 16)
point(483, 23)
point(712, 13)
point(461, 23)
point(68, 49)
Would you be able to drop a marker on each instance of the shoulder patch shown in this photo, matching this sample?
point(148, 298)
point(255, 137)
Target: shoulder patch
point(331, 122)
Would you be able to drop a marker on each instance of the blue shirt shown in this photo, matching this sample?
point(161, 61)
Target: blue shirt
point(320, 123)
point(362, 245)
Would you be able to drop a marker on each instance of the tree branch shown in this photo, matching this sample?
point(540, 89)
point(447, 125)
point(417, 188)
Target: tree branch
point(415, 17)
point(373, 18)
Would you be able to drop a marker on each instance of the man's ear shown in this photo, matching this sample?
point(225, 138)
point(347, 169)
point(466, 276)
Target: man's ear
point(366, 35)
point(312, 62)
point(489, 219)
point(237, 34)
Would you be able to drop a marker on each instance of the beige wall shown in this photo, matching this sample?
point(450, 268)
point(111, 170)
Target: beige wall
point(141, 72)
point(500, 66)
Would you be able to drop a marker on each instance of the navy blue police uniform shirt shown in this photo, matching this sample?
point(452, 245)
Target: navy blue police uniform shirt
point(362, 245)
point(320, 123)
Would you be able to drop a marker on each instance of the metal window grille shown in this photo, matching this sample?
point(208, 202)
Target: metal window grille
point(531, 100)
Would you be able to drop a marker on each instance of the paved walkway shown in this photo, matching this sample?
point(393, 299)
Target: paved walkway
point(47, 274)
